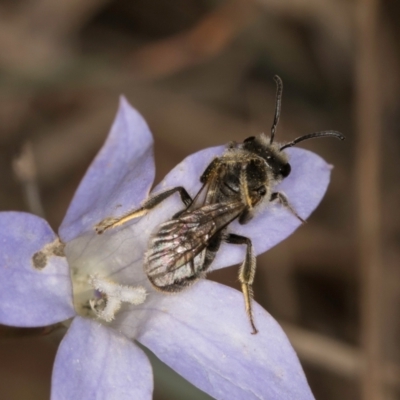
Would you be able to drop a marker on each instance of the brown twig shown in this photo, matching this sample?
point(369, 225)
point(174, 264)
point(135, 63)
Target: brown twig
point(368, 123)
point(337, 357)
point(203, 41)
point(24, 167)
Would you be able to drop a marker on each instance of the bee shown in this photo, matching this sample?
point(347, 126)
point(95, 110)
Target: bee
point(233, 185)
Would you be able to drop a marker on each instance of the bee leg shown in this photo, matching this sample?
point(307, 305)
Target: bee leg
point(285, 203)
point(246, 215)
point(206, 178)
point(210, 170)
point(246, 273)
point(147, 206)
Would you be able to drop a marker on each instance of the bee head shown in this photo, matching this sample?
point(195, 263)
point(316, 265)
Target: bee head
point(271, 151)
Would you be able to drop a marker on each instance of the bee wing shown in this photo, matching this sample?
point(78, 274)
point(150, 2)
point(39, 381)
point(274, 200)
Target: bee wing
point(211, 181)
point(176, 251)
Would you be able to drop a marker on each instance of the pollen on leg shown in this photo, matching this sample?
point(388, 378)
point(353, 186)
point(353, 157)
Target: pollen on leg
point(112, 296)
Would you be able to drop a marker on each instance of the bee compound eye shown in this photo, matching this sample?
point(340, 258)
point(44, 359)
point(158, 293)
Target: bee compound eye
point(249, 139)
point(262, 191)
point(285, 170)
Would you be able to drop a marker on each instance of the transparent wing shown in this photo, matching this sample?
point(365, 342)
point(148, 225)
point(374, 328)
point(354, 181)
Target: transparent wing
point(177, 251)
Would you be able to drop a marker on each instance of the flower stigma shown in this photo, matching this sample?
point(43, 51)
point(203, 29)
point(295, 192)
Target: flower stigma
point(99, 290)
point(112, 295)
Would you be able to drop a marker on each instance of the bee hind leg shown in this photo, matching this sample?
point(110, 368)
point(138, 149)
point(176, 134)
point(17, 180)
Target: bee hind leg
point(147, 206)
point(246, 274)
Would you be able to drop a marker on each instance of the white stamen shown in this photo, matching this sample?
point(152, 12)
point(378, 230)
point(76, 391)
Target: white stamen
point(114, 294)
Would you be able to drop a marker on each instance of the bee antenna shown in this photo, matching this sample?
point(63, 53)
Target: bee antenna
point(335, 134)
point(278, 103)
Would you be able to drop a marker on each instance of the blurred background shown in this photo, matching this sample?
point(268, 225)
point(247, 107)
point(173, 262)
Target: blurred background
point(201, 72)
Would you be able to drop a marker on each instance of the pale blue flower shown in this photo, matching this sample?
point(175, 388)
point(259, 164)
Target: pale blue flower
point(202, 333)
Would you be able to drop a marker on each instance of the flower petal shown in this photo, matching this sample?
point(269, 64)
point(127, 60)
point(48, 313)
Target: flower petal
point(204, 334)
point(119, 178)
point(95, 362)
point(119, 252)
point(35, 285)
point(272, 223)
